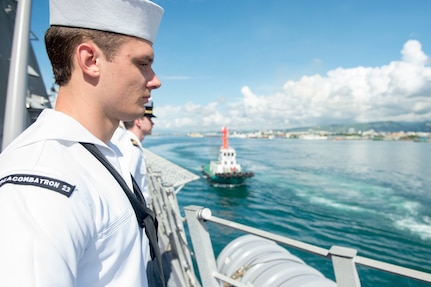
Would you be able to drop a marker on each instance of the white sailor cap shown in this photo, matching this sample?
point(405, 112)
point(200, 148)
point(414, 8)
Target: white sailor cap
point(139, 18)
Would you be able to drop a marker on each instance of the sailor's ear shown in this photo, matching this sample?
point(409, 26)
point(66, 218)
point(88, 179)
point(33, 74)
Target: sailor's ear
point(138, 122)
point(88, 59)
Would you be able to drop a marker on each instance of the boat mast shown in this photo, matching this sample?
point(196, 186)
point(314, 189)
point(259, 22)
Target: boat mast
point(225, 142)
point(15, 112)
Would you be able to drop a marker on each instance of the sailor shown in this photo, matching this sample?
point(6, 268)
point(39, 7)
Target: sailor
point(66, 219)
point(128, 137)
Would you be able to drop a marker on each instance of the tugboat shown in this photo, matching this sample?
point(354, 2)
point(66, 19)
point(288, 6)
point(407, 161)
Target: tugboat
point(226, 171)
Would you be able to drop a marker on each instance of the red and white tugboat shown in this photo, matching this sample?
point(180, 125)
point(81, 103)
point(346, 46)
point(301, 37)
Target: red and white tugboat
point(226, 171)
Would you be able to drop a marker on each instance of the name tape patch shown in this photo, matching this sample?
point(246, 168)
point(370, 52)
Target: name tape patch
point(40, 181)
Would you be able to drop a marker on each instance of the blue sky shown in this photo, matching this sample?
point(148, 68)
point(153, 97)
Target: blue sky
point(253, 64)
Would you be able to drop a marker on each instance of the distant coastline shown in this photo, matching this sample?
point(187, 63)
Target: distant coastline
point(324, 135)
point(377, 131)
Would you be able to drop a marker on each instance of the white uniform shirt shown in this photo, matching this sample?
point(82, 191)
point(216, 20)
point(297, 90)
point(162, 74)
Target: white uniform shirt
point(83, 233)
point(133, 153)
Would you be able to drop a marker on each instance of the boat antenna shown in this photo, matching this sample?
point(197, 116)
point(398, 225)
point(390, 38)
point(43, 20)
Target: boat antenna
point(225, 142)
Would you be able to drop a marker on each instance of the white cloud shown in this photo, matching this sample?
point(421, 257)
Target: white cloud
point(400, 90)
point(412, 53)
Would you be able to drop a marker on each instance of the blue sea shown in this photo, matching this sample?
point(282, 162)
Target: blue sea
point(373, 196)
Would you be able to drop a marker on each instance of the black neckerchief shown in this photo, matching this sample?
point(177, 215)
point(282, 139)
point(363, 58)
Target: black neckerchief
point(145, 216)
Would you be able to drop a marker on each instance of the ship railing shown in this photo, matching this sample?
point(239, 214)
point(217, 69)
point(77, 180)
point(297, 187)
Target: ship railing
point(177, 256)
point(344, 260)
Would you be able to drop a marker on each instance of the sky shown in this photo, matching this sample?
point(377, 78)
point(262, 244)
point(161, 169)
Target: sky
point(279, 64)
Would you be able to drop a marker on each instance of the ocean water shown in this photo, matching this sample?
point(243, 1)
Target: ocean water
point(373, 196)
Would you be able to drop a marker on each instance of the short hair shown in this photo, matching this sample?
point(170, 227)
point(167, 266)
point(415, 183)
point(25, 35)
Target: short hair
point(61, 43)
point(129, 125)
